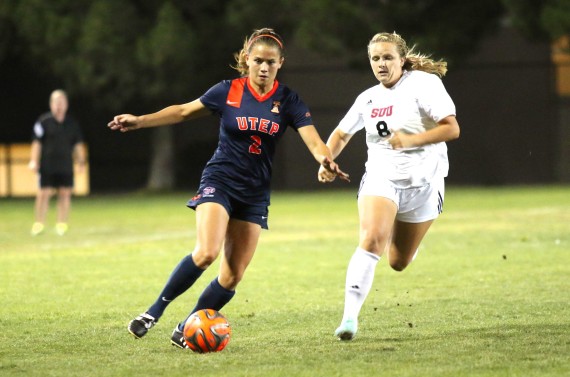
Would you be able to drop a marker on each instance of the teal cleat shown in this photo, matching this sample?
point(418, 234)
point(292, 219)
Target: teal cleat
point(347, 329)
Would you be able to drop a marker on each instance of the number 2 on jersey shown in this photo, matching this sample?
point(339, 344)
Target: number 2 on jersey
point(255, 147)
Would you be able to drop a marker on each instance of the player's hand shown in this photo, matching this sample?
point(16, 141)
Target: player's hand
point(329, 170)
point(124, 123)
point(325, 176)
point(400, 140)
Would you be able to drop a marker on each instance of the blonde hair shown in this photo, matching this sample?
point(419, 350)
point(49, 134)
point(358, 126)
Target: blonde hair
point(413, 60)
point(265, 35)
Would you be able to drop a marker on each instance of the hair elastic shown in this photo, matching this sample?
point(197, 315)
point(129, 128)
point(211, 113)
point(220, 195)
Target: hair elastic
point(264, 35)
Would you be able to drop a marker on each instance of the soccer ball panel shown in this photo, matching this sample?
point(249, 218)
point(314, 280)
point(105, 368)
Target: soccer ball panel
point(207, 330)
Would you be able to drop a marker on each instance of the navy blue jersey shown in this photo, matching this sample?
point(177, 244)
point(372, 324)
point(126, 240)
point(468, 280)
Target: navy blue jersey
point(250, 127)
point(58, 141)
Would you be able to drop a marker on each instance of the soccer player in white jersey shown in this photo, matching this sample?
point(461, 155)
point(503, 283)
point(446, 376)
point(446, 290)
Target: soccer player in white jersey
point(408, 118)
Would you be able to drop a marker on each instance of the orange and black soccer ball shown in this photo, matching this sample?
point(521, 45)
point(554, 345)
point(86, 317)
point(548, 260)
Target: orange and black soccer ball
point(207, 330)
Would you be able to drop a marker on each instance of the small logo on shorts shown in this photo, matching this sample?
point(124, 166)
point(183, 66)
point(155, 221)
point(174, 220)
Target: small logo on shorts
point(208, 192)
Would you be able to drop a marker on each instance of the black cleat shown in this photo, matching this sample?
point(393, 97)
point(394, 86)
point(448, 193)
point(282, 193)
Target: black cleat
point(177, 339)
point(141, 324)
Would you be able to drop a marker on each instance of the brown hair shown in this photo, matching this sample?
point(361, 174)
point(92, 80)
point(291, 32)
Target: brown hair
point(413, 60)
point(265, 35)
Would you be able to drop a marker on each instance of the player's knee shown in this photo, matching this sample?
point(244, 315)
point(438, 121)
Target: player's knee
point(399, 265)
point(373, 241)
point(229, 281)
point(400, 262)
point(204, 257)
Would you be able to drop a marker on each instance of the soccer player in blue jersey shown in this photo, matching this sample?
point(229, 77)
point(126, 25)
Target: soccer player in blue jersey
point(233, 197)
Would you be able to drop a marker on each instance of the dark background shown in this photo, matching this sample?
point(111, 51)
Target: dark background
point(512, 120)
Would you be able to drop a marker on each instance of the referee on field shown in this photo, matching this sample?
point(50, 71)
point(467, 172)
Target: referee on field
point(57, 141)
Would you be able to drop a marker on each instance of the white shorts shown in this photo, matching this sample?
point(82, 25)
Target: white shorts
point(415, 204)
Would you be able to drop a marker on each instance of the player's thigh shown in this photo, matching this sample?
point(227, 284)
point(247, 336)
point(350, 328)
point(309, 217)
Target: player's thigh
point(406, 239)
point(211, 225)
point(376, 214)
point(419, 207)
point(241, 242)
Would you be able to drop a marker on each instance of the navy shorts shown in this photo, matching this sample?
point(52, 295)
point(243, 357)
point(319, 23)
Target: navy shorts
point(237, 209)
point(56, 180)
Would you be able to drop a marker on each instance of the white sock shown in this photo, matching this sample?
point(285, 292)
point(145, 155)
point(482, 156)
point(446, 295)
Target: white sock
point(359, 278)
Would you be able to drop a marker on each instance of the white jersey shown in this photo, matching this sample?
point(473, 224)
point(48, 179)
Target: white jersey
point(413, 105)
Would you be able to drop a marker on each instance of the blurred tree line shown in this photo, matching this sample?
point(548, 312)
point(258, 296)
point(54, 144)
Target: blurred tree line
point(139, 55)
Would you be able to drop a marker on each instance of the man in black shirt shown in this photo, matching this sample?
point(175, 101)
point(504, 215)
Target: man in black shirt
point(57, 140)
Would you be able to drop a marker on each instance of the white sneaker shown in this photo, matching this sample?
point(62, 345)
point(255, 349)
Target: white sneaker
point(347, 329)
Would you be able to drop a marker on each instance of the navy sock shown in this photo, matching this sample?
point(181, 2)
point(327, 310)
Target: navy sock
point(214, 297)
point(182, 278)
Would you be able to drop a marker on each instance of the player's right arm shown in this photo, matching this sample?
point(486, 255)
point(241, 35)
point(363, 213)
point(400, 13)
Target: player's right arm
point(167, 116)
point(336, 143)
point(350, 124)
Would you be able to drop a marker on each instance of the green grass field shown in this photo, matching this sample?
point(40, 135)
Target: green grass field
point(488, 294)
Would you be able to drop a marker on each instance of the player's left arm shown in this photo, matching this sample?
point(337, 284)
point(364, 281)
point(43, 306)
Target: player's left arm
point(447, 129)
point(320, 151)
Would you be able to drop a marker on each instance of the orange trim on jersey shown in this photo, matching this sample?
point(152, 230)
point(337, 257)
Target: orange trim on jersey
point(236, 92)
point(267, 95)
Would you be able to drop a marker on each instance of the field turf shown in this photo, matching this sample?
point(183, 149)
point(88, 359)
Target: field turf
point(488, 294)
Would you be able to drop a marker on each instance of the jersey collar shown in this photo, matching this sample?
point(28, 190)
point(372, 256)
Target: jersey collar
point(267, 95)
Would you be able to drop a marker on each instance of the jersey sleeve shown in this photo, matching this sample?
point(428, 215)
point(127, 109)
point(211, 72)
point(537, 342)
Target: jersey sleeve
point(300, 114)
point(215, 97)
point(352, 121)
point(38, 131)
point(434, 99)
